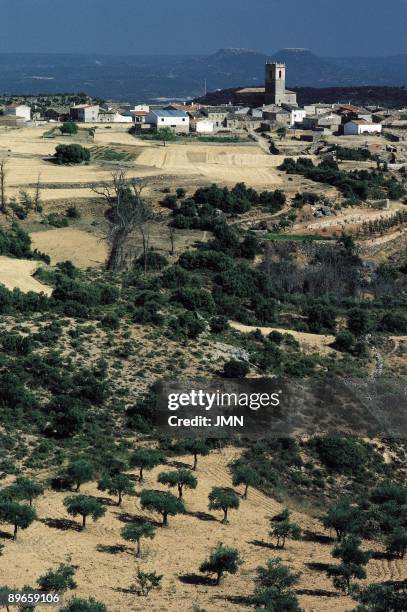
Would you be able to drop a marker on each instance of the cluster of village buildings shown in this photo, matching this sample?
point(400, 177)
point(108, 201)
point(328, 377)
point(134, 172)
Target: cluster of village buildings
point(260, 109)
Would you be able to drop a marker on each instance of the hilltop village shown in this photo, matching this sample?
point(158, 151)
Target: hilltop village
point(252, 108)
point(265, 114)
point(235, 243)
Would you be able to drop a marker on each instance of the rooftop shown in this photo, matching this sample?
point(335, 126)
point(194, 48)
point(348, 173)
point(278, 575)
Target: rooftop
point(227, 108)
point(350, 108)
point(170, 113)
point(251, 90)
point(183, 107)
point(361, 122)
point(84, 105)
point(15, 105)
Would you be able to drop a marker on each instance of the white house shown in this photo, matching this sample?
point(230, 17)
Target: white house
point(297, 115)
point(18, 110)
point(135, 116)
point(202, 126)
point(85, 113)
point(111, 116)
point(176, 120)
point(141, 107)
point(361, 126)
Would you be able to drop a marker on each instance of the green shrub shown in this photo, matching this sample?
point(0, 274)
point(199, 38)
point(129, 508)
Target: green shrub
point(344, 341)
point(155, 261)
point(110, 321)
point(219, 324)
point(56, 220)
point(170, 201)
point(176, 277)
point(393, 323)
point(71, 154)
point(195, 299)
point(235, 369)
point(341, 453)
point(15, 242)
point(187, 325)
point(69, 127)
point(181, 192)
point(73, 213)
point(272, 200)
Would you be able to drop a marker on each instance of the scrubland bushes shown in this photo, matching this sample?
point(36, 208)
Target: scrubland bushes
point(71, 154)
point(204, 210)
point(356, 185)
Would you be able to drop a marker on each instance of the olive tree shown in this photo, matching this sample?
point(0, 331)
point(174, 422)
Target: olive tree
point(274, 588)
point(223, 499)
point(221, 560)
point(59, 580)
point(197, 447)
point(19, 515)
point(5, 590)
point(380, 598)
point(85, 506)
point(146, 459)
point(180, 479)
point(283, 529)
point(342, 518)
point(27, 489)
point(118, 484)
point(162, 502)
point(135, 533)
point(145, 582)
point(79, 472)
point(353, 560)
point(78, 604)
point(245, 475)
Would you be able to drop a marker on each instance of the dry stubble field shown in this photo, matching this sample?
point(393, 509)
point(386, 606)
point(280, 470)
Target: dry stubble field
point(28, 153)
point(27, 150)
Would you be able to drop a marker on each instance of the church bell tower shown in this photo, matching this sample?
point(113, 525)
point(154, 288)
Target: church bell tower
point(275, 84)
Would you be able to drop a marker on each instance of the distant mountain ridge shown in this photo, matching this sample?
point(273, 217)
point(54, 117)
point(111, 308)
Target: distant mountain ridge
point(146, 77)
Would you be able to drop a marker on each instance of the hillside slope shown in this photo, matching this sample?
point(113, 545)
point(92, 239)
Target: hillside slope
point(107, 565)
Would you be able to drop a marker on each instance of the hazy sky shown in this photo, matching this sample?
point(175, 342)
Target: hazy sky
point(329, 27)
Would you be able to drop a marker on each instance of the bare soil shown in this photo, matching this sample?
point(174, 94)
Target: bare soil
point(107, 563)
point(309, 342)
point(84, 249)
point(18, 274)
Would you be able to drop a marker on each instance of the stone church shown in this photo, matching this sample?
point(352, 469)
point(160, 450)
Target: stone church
point(274, 91)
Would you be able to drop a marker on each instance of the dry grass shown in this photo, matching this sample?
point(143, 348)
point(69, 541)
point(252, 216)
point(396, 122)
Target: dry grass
point(107, 564)
point(85, 250)
point(18, 274)
point(27, 152)
point(309, 342)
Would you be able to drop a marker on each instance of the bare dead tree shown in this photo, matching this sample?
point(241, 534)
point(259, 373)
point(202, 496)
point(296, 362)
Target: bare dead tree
point(3, 195)
point(128, 213)
point(112, 190)
point(145, 239)
point(144, 214)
